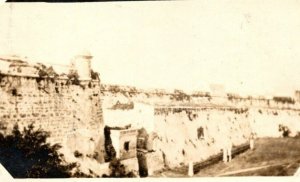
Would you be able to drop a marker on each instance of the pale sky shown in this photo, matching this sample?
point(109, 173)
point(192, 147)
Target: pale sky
point(249, 46)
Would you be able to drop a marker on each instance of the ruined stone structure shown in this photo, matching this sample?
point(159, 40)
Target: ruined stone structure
point(124, 142)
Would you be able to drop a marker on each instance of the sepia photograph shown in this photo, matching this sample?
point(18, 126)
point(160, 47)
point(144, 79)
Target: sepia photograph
point(154, 90)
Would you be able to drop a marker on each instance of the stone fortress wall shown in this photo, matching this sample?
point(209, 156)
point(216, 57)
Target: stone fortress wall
point(75, 111)
point(68, 107)
point(180, 143)
point(179, 116)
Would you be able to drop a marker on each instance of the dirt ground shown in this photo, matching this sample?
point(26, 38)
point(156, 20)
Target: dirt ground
point(270, 157)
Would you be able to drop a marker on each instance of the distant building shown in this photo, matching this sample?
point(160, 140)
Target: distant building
point(297, 95)
point(15, 65)
point(217, 90)
point(139, 115)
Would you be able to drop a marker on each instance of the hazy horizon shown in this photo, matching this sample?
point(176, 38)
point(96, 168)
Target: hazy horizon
point(250, 47)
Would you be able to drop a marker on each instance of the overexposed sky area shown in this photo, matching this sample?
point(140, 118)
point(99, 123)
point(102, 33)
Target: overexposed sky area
point(250, 46)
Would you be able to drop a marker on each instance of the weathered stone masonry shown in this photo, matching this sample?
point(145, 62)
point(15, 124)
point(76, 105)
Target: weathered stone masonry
point(72, 113)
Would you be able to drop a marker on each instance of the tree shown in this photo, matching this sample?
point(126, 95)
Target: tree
point(179, 95)
point(26, 154)
point(73, 78)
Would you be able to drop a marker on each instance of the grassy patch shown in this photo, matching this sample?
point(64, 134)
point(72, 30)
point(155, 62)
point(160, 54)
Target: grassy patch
point(278, 170)
point(283, 153)
point(270, 157)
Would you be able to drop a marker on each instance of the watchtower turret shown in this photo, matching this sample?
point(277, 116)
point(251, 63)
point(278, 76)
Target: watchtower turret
point(82, 65)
